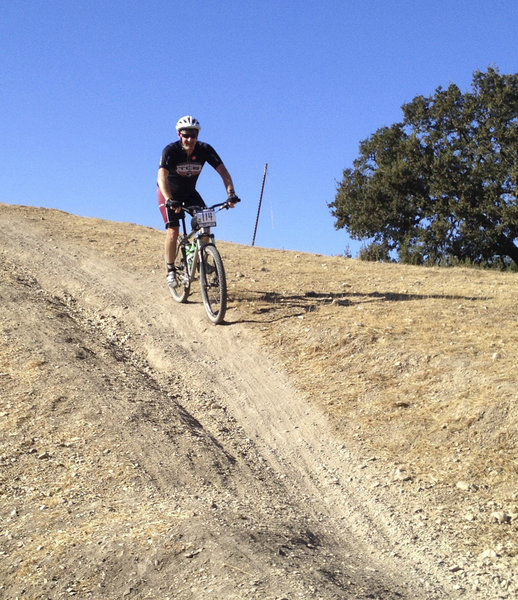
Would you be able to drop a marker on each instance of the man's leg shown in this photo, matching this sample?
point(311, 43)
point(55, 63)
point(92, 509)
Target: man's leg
point(171, 239)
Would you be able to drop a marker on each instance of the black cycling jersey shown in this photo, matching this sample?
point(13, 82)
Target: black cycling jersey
point(184, 170)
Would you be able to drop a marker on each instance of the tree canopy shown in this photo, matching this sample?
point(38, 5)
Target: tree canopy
point(440, 186)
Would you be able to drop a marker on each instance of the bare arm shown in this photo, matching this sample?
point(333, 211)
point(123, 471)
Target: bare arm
point(227, 180)
point(163, 183)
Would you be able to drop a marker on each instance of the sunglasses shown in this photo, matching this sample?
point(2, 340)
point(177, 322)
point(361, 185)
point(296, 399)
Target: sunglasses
point(189, 134)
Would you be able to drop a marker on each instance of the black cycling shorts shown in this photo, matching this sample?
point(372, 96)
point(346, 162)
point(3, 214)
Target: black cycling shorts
point(172, 218)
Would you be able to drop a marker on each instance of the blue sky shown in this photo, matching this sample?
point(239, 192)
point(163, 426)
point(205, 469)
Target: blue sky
point(91, 90)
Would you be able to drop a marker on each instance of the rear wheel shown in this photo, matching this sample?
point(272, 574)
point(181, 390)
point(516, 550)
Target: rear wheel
point(181, 292)
point(213, 283)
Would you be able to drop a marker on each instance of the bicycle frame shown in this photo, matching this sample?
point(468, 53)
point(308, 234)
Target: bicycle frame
point(204, 259)
point(200, 235)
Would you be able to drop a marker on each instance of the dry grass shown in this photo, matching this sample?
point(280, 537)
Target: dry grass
point(419, 363)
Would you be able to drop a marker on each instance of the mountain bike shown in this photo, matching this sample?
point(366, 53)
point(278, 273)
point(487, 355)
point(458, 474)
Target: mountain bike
point(197, 255)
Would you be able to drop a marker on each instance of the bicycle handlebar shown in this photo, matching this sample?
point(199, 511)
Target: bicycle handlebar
point(221, 205)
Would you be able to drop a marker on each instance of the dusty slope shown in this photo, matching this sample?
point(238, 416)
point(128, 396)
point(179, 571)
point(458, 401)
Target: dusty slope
point(148, 454)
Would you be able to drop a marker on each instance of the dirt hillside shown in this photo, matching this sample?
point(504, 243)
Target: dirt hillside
point(349, 432)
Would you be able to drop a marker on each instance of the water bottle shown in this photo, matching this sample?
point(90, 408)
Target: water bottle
point(190, 254)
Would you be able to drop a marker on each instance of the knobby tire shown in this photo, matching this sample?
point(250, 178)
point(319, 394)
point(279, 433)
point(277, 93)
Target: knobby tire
point(213, 284)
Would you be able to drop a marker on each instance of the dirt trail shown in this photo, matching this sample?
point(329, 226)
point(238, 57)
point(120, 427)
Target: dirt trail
point(198, 470)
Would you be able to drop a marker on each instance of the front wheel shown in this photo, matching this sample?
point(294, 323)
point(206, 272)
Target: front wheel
point(213, 283)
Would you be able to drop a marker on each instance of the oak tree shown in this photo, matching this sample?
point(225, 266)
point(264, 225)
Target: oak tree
point(440, 186)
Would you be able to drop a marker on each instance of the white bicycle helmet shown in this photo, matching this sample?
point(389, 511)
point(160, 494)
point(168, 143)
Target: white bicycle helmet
point(188, 122)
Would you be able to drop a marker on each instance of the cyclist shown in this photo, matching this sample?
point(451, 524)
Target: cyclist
point(180, 166)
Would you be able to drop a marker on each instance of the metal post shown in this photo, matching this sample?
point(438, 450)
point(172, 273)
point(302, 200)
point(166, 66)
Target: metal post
point(260, 202)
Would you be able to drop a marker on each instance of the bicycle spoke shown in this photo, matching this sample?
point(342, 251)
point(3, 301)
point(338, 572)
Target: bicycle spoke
point(181, 292)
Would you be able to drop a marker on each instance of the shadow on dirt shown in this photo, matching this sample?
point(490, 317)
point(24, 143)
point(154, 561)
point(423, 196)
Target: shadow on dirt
point(280, 306)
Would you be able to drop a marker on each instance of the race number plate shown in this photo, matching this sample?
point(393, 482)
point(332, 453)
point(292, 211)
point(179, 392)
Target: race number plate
point(206, 217)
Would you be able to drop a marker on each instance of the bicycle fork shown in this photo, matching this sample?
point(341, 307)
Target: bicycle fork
point(193, 259)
